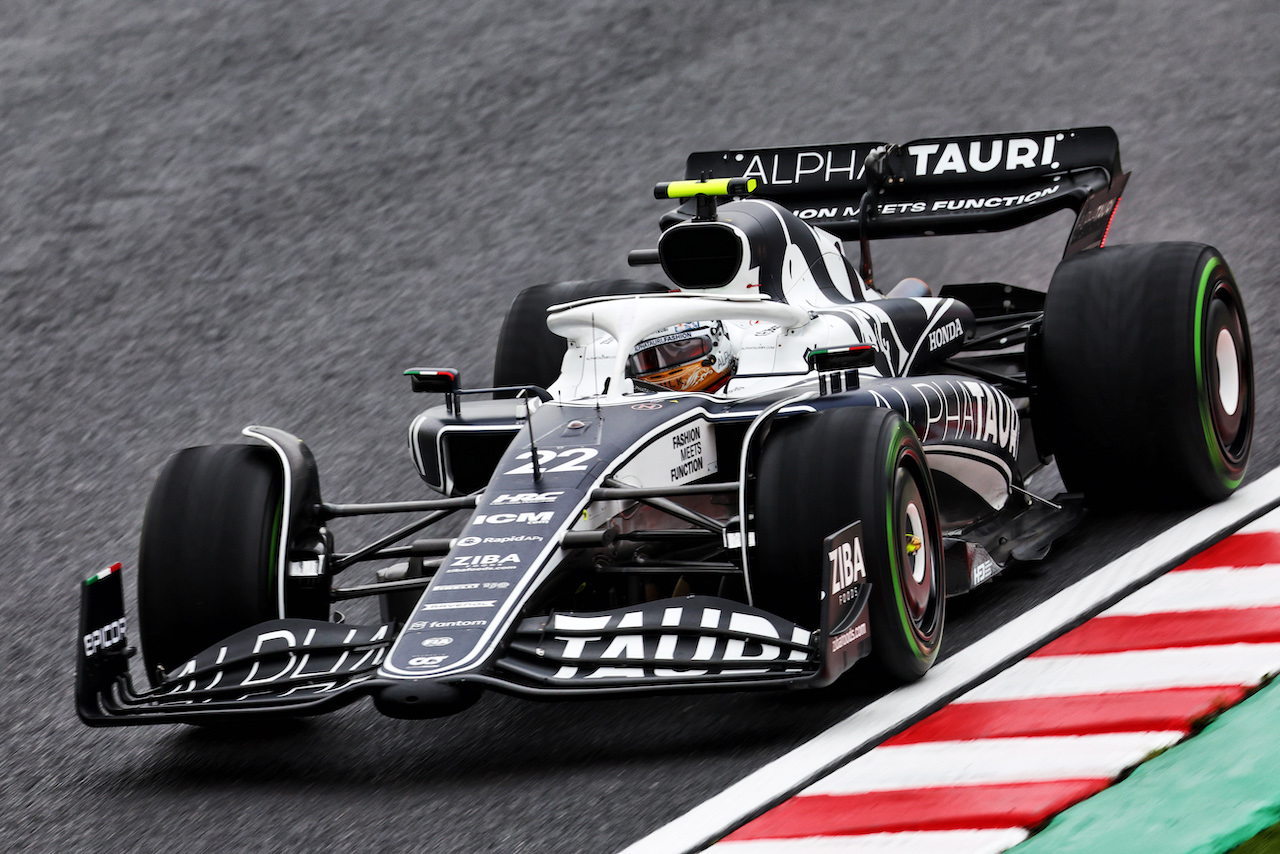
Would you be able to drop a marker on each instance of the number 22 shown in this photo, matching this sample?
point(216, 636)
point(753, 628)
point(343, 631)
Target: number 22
point(574, 459)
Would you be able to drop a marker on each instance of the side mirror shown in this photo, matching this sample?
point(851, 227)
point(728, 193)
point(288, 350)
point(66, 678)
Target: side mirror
point(837, 367)
point(434, 380)
point(446, 381)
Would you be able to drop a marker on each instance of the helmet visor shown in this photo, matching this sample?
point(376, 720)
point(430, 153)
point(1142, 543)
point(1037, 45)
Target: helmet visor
point(668, 355)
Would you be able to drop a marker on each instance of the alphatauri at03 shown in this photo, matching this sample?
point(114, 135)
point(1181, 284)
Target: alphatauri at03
point(750, 476)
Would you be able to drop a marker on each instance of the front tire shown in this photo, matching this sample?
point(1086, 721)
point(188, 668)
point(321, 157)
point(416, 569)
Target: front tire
point(1147, 382)
point(820, 473)
point(209, 553)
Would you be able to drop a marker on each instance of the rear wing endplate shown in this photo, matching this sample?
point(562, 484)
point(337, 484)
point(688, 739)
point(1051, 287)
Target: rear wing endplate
point(940, 185)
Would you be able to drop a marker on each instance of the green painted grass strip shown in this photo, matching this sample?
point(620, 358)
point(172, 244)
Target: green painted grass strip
point(1206, 795)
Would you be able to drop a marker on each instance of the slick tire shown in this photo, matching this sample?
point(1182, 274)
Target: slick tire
point(817, 475)
point(1146, 384)
point(531, 354)
point(208, 558)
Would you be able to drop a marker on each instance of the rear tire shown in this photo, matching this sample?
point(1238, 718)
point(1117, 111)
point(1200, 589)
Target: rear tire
point(531, 354)
point(208, 558)
point(820, 473)
point(1147, 379)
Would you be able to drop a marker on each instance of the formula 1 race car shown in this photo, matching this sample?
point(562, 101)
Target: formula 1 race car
point(752, 477)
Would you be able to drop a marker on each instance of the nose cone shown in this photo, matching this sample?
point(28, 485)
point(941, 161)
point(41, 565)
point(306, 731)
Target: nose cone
point(417, 700)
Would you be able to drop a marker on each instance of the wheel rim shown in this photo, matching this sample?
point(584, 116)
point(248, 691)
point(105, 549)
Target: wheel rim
point(917, 568)
point(1228, 369)
point(1227, 392)
point(917, 558)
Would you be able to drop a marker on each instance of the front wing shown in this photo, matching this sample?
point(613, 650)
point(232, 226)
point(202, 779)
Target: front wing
point(287, 668)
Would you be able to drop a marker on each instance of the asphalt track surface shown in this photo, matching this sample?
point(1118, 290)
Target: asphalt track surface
point(214, 214)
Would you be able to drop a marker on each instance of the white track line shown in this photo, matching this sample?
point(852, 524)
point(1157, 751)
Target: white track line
point(867, 727)
point(992, 761)
point(1263, 524)
point(1138, 670)
point(921, 842)
point(1204, 590)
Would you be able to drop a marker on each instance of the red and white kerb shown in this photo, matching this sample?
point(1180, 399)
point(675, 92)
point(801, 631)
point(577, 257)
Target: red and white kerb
point(1056, 727)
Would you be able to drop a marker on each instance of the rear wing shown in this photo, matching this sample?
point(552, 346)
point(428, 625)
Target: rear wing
point(942, 185)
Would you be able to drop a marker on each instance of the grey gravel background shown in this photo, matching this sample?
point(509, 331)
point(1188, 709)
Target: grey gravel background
point(214, 214)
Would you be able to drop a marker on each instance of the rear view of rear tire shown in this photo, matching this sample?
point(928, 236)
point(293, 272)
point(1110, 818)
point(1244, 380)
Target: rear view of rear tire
point(1146, 390)
point(208, 559)
point(817, 475)
point(531, 354)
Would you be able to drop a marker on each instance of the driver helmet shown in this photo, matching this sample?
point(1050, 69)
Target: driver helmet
point(696, 356)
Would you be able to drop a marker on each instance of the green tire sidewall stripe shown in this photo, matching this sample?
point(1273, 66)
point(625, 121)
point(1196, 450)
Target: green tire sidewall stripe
point(899, 596)
point(1202, 390)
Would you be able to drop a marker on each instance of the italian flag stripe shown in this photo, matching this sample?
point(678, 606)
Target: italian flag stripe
point(115, 567)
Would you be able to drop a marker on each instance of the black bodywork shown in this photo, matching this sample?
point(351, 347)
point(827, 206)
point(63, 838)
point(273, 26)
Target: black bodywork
point(582, 573)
